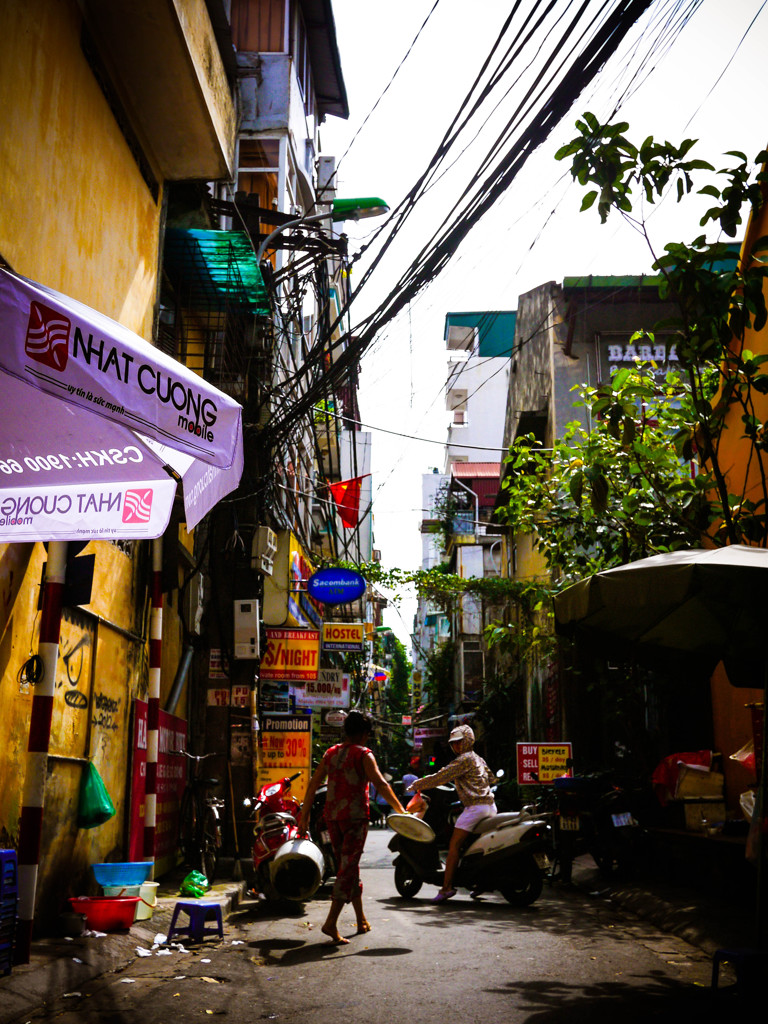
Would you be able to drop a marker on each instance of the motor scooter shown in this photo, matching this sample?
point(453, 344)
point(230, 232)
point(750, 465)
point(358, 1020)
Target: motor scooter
point(506, 852)
point(286, 865)
point(594, 816)
point(318, 831)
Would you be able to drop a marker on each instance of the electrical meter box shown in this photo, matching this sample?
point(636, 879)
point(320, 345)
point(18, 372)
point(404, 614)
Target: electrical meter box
point(247, 625)
point(263, 550)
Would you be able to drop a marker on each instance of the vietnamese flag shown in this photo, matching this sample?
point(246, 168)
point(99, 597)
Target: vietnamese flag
point(346, 494)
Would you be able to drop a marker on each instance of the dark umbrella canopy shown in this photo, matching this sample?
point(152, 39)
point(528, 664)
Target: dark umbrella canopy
point(711, 603)
point(708, 605)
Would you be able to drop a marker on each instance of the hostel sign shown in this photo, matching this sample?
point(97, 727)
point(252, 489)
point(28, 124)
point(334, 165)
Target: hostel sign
point(343, 636)
point(545, 761)
point(291, 654)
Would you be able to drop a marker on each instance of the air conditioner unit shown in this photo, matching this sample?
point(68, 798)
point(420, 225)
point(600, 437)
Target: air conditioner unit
point(263, 550)
point(247, 626)
point(326, 177)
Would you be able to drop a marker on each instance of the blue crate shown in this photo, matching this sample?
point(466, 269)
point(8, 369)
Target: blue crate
point(9, 872)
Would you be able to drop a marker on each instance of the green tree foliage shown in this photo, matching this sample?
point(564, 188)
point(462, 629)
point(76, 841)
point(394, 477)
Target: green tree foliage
point(619, 492)
point(717, 297)
point(439, 675)
point(398, 690)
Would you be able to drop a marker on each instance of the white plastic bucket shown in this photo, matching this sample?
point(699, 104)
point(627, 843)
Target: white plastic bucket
point(121, 890)
point(148, 896)
point(297, 870)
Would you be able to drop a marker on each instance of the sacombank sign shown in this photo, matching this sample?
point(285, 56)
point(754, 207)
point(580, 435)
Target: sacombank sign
point(51, 342)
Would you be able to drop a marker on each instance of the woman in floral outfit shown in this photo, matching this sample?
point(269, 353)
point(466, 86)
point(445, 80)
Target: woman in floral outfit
point(349, 766)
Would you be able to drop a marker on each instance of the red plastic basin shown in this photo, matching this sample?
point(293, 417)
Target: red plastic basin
point(106, 913)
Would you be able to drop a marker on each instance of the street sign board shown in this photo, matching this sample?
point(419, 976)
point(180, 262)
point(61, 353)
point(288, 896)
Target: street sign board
point(545, 761)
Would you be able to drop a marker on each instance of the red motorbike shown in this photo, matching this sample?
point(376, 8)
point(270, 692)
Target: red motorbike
point(286, 866)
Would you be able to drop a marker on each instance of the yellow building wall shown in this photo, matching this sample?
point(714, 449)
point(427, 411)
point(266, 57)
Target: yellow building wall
point(732, 720)
point(75, 215)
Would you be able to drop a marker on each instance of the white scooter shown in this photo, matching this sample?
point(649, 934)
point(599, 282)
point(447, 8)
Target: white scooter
point(506, 852)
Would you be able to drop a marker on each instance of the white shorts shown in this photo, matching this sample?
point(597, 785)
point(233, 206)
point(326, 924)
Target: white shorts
point(470, 816)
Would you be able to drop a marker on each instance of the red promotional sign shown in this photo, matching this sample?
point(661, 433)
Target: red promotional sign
point(171, 775)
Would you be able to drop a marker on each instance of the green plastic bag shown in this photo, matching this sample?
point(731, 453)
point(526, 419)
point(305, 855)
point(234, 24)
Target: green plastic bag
point(95, 806)
point(195, 884)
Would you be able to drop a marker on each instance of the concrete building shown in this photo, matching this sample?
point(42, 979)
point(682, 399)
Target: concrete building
point(457, 502)
point(154, 150)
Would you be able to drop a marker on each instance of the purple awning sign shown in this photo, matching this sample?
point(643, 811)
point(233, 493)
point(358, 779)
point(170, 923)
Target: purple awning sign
point(75, 353)
point(98, 425)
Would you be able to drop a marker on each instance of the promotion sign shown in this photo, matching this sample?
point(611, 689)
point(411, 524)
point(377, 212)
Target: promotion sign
point(330, 690)
point(344, 636)
point(539, 763)
point(285, 747)
point(285, 741)
point(291, 654)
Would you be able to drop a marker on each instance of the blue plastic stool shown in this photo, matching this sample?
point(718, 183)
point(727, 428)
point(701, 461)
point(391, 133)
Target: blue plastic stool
point(198, 912)
point(748, 964)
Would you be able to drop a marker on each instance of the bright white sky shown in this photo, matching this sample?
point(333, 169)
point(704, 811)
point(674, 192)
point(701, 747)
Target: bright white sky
point(705, 87)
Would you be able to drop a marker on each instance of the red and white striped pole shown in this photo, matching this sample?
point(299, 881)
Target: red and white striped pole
point(153, 708)
point(31, 830)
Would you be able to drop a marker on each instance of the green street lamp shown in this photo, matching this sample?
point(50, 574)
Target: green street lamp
point(341, 210)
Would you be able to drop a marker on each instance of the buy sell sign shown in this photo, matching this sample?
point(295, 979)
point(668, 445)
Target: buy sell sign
point(291, 654)
point(542, 762)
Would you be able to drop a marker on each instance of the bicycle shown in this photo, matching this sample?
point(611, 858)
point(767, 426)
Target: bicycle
point(200, 819)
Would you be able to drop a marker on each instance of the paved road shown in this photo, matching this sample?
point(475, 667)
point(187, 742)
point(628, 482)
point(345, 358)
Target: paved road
point(568, 958)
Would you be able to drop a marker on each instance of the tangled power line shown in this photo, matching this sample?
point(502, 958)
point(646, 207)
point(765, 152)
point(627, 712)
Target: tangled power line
point(552, 51)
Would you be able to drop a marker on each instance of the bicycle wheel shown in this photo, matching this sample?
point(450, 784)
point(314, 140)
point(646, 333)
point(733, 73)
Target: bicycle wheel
point(188, 828)
point(209, 852)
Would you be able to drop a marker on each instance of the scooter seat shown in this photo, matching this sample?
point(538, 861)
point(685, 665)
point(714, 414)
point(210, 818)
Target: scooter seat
point(278, 818)
point(494, 821)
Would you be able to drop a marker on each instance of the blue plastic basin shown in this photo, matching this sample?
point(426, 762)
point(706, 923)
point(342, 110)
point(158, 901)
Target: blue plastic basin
point(127, 873)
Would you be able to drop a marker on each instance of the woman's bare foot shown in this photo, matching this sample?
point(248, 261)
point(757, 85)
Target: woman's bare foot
point(333, 935)
point(362, 927)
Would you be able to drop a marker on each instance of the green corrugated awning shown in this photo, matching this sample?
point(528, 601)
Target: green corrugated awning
point(608, 281)
point(495, 328)
point(215, 269)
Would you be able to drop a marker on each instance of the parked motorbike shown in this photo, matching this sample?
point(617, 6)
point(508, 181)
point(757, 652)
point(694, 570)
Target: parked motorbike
point(286, 865)
point(506, 852)
point(318, 831)
point(594, 816)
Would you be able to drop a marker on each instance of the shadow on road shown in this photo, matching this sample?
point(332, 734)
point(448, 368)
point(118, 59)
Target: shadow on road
point(287, 953)
point(554, 912)
point(650, 998)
